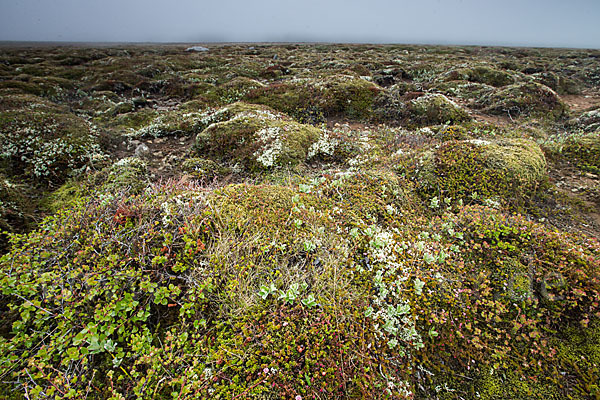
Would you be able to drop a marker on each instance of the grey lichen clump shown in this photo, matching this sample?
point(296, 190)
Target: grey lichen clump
point(257, 138)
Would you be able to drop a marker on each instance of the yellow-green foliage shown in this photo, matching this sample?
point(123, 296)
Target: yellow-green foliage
point(436, 109)
point(257, 138)
point(66, 196)
point(258, 210)
point(578, 352)
point(501, 385)
point(503, 167)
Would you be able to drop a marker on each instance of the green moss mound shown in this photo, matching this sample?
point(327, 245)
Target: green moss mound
point(488, 168)
point(481, 74)
point(558, 82)
point(257, 138)
point(306, 98)
point(464, 90)
point(523, 99)
point(45, 145)
point(583, 150)
point(433, 109)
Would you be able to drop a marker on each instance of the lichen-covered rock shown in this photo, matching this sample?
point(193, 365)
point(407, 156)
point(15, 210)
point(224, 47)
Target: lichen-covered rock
point(435, 109)
point(490, 168)
point(257, 137)
point(524, 99)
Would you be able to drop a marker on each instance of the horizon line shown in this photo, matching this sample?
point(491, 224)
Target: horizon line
point(6, 43)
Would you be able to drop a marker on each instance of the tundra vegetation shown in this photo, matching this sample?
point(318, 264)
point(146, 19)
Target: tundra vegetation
point(299, 221)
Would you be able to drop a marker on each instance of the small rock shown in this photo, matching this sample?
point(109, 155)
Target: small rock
point(197, 48)
point(139, 101)
point(142, 151)
point(590, 175)
point(574, 190)
point(135, 142)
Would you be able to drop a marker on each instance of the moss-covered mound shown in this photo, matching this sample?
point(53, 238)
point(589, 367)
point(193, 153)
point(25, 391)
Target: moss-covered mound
point(504, 168)
point(524, 99)
point(305, 98)
point(558, 82)
point(272, 292)
point(257, 138)
point(583, 150)
point(433, 109)
point(44, 144)
point(481, 74)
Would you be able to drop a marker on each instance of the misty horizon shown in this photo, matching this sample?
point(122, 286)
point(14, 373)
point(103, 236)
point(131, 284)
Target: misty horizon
point(430, 22)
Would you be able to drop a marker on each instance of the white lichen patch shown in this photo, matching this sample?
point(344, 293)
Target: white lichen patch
point(269, 153)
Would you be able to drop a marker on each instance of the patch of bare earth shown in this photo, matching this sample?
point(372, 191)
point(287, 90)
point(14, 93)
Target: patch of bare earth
point(581, 190)
point(582, 102)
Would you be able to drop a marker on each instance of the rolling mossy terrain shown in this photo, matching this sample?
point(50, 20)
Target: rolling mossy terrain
point(299, 221)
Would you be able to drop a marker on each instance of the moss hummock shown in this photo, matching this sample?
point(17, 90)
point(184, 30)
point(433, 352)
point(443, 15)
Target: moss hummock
point(344, 95)
point(43, 144)
point(436, 109)
point(257, 138)
point(505, 168)
point(481, 74)
point(523, 99)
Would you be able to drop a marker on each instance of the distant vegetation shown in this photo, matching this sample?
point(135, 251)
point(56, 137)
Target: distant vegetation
point(299, 222)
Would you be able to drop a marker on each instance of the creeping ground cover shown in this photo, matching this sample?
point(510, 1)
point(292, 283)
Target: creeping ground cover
point(299, 222)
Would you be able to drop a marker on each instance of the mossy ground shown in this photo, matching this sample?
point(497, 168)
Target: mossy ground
point(298, 221)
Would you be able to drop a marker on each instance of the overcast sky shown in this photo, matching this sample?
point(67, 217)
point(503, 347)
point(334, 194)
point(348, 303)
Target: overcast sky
point(557, 23)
